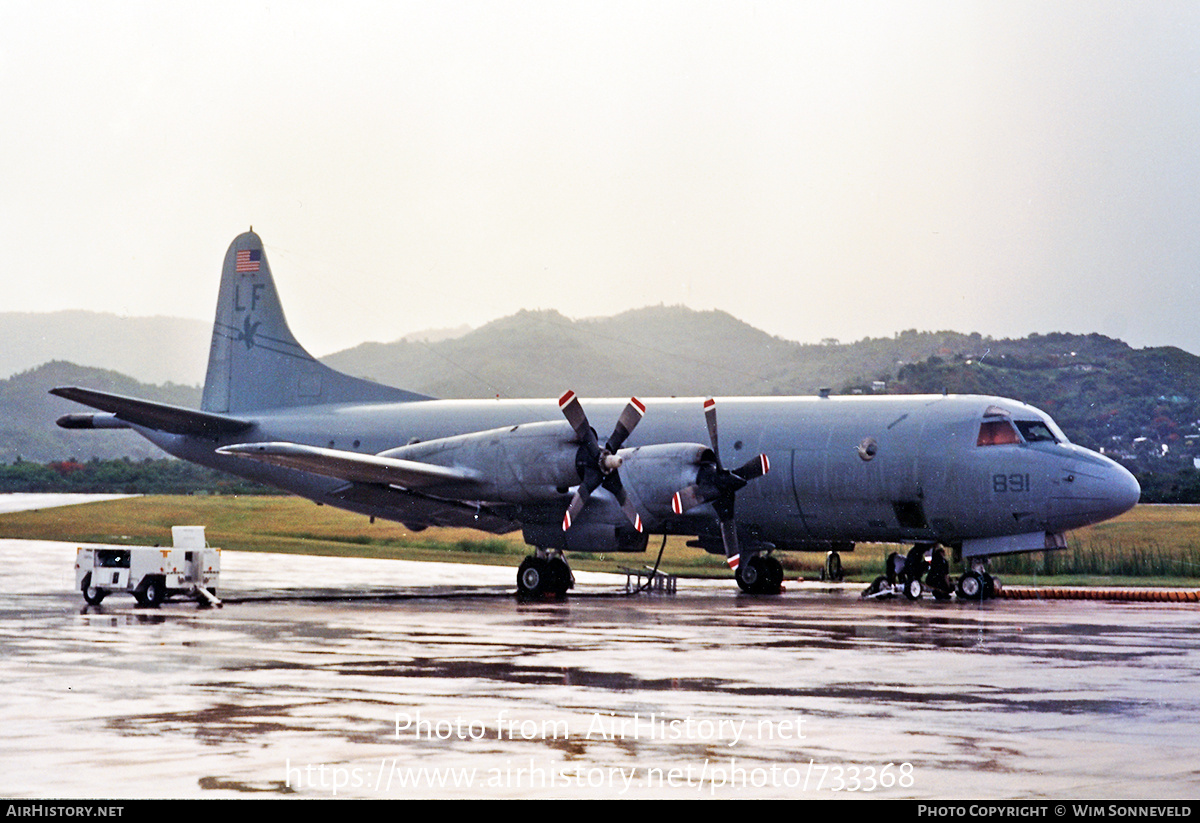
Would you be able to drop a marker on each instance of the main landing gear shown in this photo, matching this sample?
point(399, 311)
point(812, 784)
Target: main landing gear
point(903, 575)
point(832, 570)
point(544, 574)
point(761, 574)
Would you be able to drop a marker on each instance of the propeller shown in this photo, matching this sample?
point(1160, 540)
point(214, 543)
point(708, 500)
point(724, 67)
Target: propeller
point(598, 465)
point(718, 485)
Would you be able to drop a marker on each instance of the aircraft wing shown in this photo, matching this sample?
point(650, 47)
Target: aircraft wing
point(353, 467)
point(159, 416)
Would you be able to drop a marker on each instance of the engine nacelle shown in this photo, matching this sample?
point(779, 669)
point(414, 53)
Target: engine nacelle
point(652, 474)
point(535, 464)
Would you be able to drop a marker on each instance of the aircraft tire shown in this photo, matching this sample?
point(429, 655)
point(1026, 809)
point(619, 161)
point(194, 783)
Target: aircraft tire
point(560, 576)
point(532, 577)
point(970, 586)
point(748, 575)
point(760, 575)
point(772, 578)
point(989, 586)
point(833, 568)
point(92, 595)
point(913, 589)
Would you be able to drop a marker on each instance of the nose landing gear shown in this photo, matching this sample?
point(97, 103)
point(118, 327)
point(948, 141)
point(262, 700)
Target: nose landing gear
point(904, 577)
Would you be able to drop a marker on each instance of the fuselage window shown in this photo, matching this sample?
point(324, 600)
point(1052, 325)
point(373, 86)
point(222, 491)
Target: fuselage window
point(1035, 431)
point(996, 433)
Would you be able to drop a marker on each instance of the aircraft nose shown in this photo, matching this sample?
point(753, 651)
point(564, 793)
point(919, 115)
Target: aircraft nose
point(1113, 490)
point(1124, 492)
point(1101, 490)
point(1093, 489)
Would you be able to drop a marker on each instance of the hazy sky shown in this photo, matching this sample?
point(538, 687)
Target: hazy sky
point(818, 169)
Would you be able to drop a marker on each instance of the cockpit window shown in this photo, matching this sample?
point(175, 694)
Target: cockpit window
point(996, 433)
point(1035, 431)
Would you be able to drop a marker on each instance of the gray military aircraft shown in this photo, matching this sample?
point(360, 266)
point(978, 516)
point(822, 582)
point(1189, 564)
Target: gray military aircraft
point(981, 475)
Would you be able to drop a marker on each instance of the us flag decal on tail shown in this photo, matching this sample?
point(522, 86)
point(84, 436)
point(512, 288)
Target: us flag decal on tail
point(248, 260)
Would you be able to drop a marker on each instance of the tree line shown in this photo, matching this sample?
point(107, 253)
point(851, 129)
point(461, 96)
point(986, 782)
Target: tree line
point(122, 476)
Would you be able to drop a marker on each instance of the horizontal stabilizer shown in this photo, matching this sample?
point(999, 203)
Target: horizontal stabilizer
point(351, 466)
point(148, 414)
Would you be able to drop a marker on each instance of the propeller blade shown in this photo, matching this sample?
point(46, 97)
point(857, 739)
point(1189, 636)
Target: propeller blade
point(687, 499)
point(717, 485)
point(573, 510)
point(730, 539)
point(756, 467)
point(613, 484)
point(598, 467)
point(590, 481)
point(710, 417)
point(573, 411)
point(625, 424)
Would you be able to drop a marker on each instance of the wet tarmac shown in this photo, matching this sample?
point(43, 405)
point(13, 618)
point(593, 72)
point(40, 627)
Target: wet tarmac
point(328, 677)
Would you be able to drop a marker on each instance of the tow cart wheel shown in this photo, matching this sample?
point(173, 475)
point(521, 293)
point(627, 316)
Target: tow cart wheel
point(876, 586)
point(913, 590)
point(92, 594)
point(153, 593)
point(970, 587)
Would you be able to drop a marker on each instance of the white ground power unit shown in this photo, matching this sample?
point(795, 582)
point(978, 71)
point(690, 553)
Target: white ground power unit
point(189, 568)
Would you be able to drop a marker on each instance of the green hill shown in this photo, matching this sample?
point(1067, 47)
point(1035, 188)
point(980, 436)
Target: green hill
point(656, 351)
point(27, 414)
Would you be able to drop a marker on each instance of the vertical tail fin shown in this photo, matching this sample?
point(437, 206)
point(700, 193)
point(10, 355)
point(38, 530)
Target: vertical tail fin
point(255, 362)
